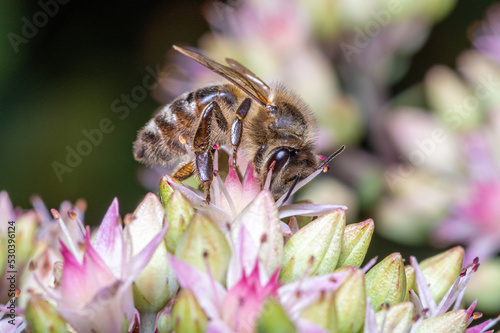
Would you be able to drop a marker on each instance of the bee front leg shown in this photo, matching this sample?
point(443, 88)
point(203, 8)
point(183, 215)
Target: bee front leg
point(205, 171)
point(237, 127)
point(203, 150)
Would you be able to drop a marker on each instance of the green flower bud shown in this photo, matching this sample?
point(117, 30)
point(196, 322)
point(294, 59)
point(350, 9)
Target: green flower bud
point(201, 242)
point(42, 317)
point(187, 315)
point(357, 238)
point(449, 322)
point(315, 248)
point(410, 280)
point(442, 270)
point(322, 312)
point(165, 191)
point(386, 281)
point(26, 227)
point(179, 212)
point(397, 318)
point(165, 323)
point(350, 302)
point(274, 319)
point(156, 283)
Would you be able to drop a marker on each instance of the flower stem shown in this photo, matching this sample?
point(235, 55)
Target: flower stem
point(148, 322)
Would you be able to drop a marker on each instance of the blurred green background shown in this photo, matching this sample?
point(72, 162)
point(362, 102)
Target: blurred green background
point(65, 78)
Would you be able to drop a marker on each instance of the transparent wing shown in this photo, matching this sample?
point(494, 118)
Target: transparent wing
point(238, 74)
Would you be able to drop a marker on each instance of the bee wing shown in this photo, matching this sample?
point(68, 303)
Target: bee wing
point(238, 74)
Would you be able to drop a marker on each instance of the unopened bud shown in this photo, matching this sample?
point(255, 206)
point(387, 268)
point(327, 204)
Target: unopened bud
point(442, 270)
point(456, 319)
point(386, 281)
point(274, 319)
point(187, 315)
point(321, 239)
point(357, 238)
point(43, 317)
point(203, 241)
point(350, 302)
point(179, 212)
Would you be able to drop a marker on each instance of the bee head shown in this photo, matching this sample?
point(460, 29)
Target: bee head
point(290, 165)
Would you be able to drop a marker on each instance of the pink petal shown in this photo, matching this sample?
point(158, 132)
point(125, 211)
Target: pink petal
point(235, 189)
point(251, 185)
point(423, 289)
point(197, 199)
point(108, 240)
point(307, 209)
point(470, 309)
point(285, 229)
point(80, 282)
point(481, 327)
point(309, 290)
point(105, 313)
point(243, 258)
point(370, 318)
point(218, 326)
point(208, 292)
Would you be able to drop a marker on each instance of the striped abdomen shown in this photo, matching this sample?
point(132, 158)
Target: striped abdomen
point(159, 141)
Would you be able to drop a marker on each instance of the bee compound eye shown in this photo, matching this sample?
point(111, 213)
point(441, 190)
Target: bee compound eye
point(281, 157)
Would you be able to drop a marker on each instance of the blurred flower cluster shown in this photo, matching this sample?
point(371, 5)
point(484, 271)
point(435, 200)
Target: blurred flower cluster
point(176, 264)
point(448, 181)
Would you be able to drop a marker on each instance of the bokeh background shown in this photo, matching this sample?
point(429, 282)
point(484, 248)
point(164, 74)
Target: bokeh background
point(66, 75)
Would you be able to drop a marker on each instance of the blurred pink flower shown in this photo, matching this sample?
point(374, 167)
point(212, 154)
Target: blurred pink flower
point(475, 221)
point(95, 292)
point(487, 39)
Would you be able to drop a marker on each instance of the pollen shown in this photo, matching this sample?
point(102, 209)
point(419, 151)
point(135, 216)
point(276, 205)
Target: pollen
point(182, 139)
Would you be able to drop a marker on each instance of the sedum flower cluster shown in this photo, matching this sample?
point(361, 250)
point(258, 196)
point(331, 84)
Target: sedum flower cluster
point(240, 264)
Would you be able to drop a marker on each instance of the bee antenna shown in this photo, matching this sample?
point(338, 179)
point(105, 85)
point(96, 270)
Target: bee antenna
point(296, 180)
point(331, 157)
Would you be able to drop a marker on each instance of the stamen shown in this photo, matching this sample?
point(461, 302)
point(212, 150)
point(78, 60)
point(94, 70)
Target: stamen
point(65, 231)
point(267, 184)
point(369, 264)
point(227, 196)
point(477, 315)
point(215, 185)
point(73, 215)
point(81, 205)
point(212, 282)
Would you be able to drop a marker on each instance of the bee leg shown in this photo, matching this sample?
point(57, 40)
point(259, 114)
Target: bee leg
point(205, 171)
point(204, 158)
point(184, 172)
point(237, 127)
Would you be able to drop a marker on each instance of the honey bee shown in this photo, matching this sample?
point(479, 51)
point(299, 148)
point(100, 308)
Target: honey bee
point(268, 124)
